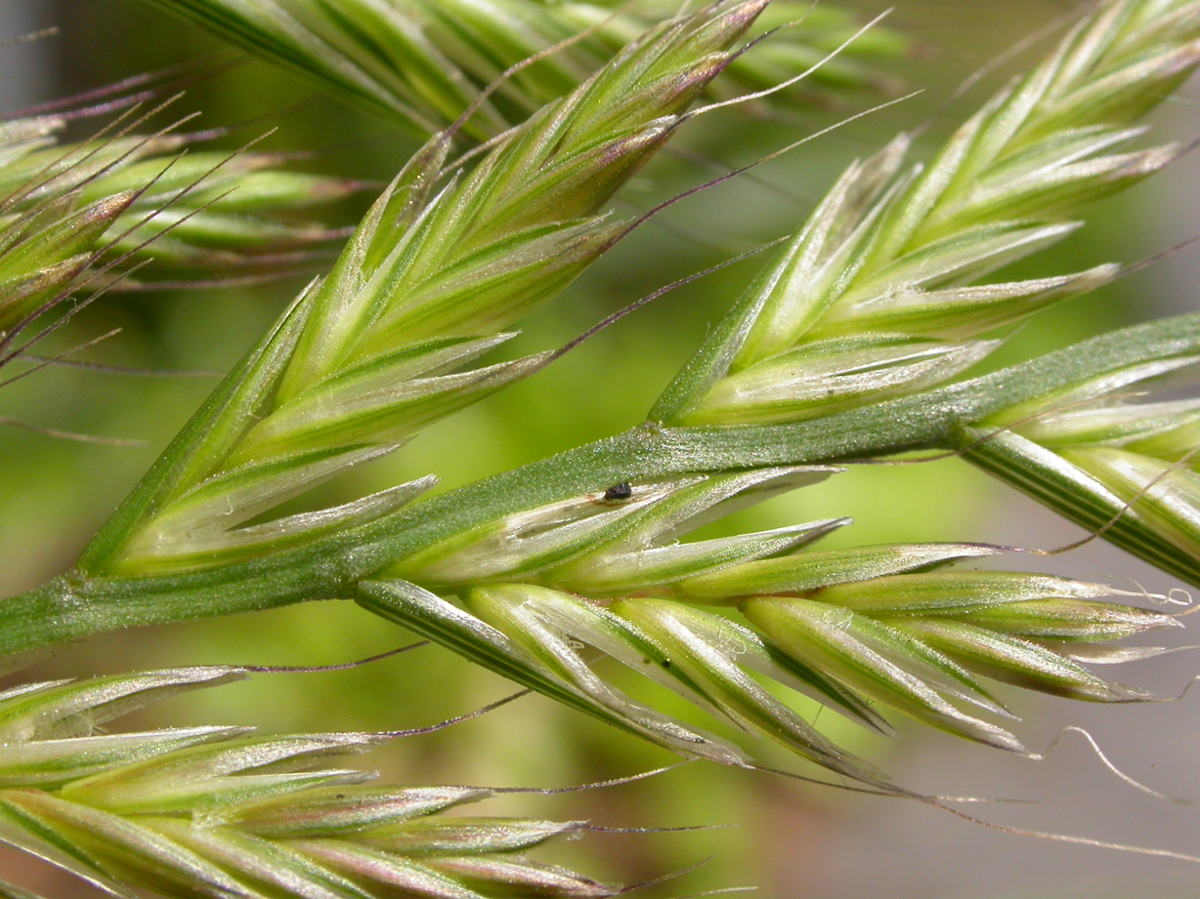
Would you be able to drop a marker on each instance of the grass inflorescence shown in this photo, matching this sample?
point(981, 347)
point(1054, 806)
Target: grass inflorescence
point(848, 345)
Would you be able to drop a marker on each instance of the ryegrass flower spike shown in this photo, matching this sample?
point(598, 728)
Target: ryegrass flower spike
point(541, 584)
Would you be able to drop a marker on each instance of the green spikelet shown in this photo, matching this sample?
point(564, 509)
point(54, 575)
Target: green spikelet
point(1106, 461)
point(376, 350)
point(549, 593)
point(874, 297)
point(220, 812)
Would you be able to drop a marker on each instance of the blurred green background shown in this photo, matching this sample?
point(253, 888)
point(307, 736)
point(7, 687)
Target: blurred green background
point(792, 841)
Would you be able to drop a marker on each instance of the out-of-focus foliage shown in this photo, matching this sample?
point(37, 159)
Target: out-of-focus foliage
point(422, 63)
point(83, 216)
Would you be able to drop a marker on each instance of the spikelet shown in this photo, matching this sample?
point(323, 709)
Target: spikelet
point(381, 347)
point(1105, 457)
point(221, 812)
point(875, 296)
point(548, 593)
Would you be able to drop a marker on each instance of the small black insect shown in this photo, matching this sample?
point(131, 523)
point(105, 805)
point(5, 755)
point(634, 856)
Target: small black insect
point(618, 492)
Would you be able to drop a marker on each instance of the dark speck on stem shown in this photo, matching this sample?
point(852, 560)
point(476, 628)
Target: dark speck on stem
point(618, 492)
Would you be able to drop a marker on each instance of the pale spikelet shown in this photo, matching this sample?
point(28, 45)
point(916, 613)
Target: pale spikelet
point(219, 812)
point(874, 295)
point(375, 351)
point(548, 593)
point(422, 63)
point(221, 213)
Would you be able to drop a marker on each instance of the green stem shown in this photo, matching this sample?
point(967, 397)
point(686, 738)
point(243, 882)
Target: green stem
point(74, 606)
